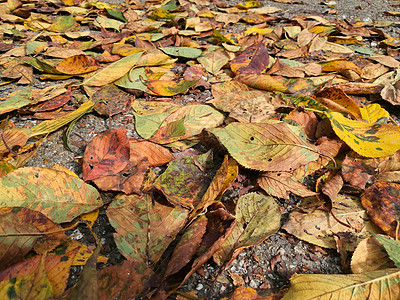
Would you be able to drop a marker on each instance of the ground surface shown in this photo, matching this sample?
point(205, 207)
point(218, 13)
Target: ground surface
point(269, 265)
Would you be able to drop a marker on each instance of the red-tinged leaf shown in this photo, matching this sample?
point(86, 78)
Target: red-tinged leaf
point(253, 60)
point(130, 279)
point(54, 103)
point(78, 65)
point(359, 171)
point(183, 183)
point(382, 202)
point(187, 246)
point(32, 286)
point(129, 180)
point(156, 155)
point(219, 227)
point(12, 138)
point(13, 248)
point(107, 154)
point(35, 220)
point(111, 100)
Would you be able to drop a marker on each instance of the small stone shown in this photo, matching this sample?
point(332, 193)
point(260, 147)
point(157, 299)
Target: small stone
point(199, 287)
point(253, 284)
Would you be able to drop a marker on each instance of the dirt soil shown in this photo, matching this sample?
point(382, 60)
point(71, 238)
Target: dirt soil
point(266, 267)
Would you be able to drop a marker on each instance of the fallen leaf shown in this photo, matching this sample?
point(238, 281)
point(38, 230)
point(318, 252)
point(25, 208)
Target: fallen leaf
point(377, 284)
point(59, 196)
point(382, 204)
point(367, 139)
point(184, 182)
point(257, 218)
point(275, 146)
point(370, 256)
point(318, 226)
point(107, 154)
point(144, 229)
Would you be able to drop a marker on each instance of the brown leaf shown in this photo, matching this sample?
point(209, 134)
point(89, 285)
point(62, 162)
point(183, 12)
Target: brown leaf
point(281, 184)
point(382, 202)
point(359, 171)
point(253, 60)
point(111, 100)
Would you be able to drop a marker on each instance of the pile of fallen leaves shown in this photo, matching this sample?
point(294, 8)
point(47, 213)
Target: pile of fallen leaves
point(289, 98)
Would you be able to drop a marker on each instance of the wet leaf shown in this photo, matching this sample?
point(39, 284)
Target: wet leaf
point(257, 218)
point(275, 146)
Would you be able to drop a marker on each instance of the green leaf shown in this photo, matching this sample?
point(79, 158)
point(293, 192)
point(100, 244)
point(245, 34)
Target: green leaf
point(133, 80)
point(392, 248)
point(104, 22)
point(20, 99)
point(273, 146)
point(116, 14)
point(257, 218)
point(185, 52)
point(187, 121)
point(146, 126)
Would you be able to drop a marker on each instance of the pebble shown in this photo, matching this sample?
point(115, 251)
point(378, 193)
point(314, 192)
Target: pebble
point(199, 287)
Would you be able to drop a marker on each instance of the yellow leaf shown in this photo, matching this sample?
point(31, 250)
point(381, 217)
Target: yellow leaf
point(382, 284)
point(114, 71)
point(262, 82)
point(374, 113)
point(367, 139)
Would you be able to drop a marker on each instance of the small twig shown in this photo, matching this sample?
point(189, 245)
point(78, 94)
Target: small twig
point(5, 144)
